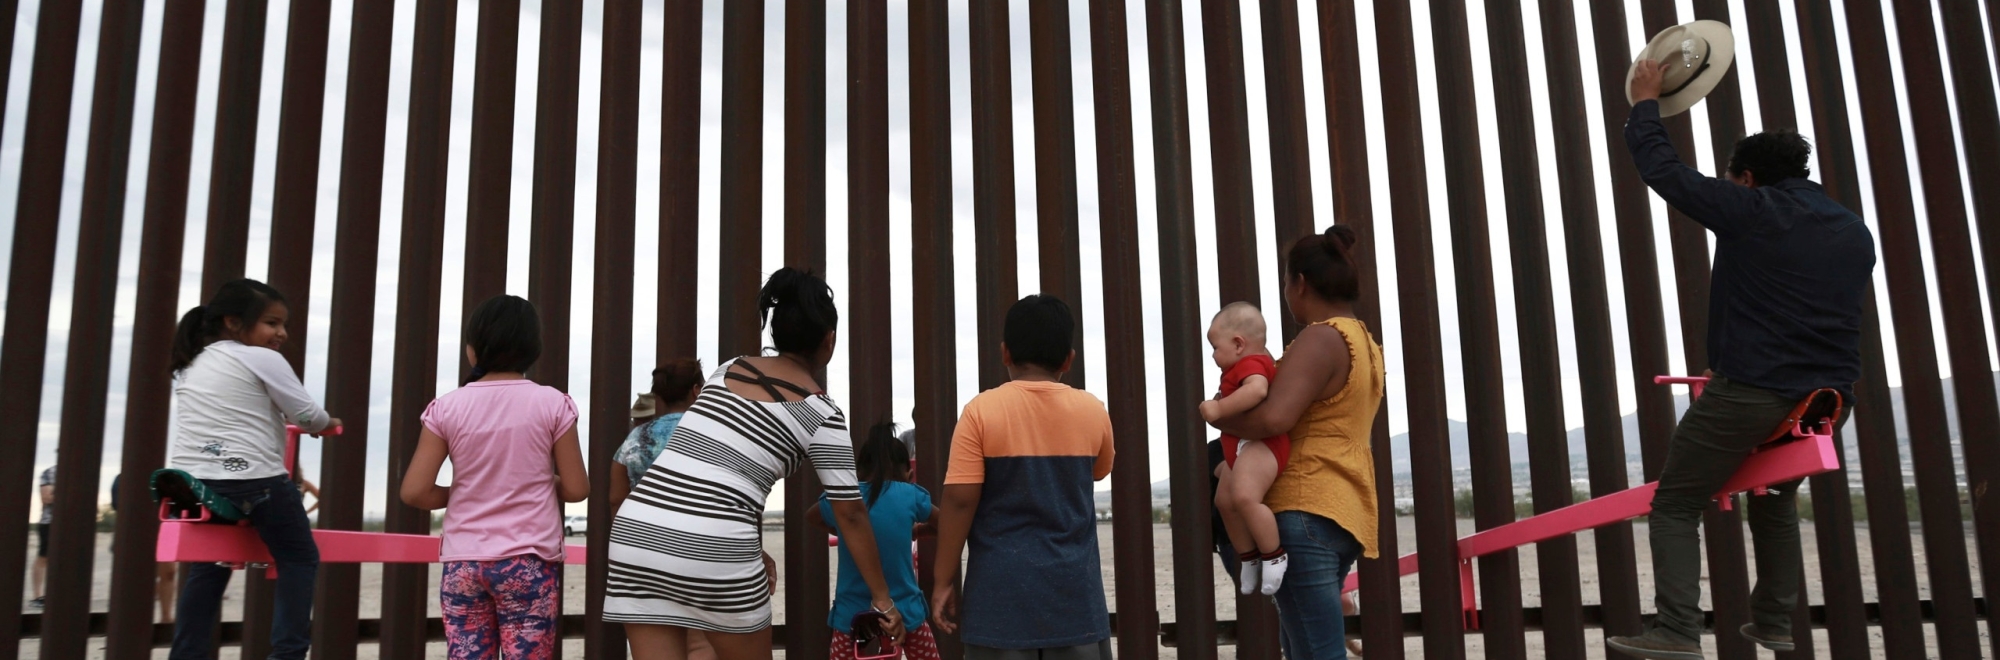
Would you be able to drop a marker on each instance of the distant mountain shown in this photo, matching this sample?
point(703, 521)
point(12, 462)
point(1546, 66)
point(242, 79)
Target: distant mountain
point(1517, 443)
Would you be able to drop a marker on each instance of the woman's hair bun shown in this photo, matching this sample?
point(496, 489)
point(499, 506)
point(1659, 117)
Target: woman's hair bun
point(1340, 237)
point(798, 308)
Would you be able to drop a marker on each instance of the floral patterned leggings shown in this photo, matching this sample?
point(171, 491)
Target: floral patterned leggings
point(919, 644)
point(505, 608)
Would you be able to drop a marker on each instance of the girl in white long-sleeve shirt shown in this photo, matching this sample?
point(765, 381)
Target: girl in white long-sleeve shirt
point(233, 398)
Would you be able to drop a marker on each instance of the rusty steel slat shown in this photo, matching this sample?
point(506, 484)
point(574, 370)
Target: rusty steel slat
point(1229, 148)
point(932, 264)
point(9, 13)
point(1902, 261)
point(553, 209)
point(419, 286)
point(31, 282)
point(1055, 166)
point(149, 384)
point(1722, 531)
point(611, 304)
point(1989, 241)
point(1632, 206)
point(1353, 205)
point(1774, 100)
point(1687, 241)
point(1764, 22)
point(870, 398)
point(1291, 160)
point(1430, 447)
point(1765, 25)
point(1604, 442)
point(807, 581)
point(742, 200)
point(357, 234)
point(295, 188)
point(1875, 427)
point(680, 178)
point(1479, 330)
point(1138, 624)
point(93, 303)
point(1958, 283)
point(1235, 235)
point(1180, 330)
point(239, 89)
point(997, 282)
point(293, 210)
point(1839, 549)
point(1541, 368)
point(805, 140)
point(1951, 254)
point(490, 172)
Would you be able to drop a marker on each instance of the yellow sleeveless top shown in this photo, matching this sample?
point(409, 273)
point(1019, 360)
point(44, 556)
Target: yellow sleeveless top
point(1332, 469)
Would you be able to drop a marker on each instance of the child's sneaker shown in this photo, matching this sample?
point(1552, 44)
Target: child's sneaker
point(1273, 572)
point(1248, 577)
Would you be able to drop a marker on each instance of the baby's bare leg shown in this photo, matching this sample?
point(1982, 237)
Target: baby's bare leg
point(1229, 508)
point(1256, 467)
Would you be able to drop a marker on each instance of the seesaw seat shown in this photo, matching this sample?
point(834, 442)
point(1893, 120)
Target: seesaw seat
point(1796, 450)
point(192, 529)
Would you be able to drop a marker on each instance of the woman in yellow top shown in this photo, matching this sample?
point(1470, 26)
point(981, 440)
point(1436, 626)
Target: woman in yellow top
point(1326, 395)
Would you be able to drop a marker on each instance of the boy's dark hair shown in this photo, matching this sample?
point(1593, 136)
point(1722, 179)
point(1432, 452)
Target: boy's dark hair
point(1326, 260)
point(245, 300)
point(505, 334)
point(797, 306)
point(882, 459)
point(1773, 155)
point(1038, 331)
point(674, 380)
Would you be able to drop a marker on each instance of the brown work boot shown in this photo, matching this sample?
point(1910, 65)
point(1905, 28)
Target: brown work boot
point(1773, 641)
point(1656, 646)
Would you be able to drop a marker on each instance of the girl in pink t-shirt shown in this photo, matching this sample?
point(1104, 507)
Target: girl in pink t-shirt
point(502, 548)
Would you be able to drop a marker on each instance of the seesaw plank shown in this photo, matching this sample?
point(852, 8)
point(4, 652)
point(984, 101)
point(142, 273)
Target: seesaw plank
point(202, 542)
point(1779, 464)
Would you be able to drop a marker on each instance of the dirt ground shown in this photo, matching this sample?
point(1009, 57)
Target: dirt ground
point(1162, 582)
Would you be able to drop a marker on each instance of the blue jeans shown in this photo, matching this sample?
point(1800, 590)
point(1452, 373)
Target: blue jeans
point(1321, 554)
point(274, 507)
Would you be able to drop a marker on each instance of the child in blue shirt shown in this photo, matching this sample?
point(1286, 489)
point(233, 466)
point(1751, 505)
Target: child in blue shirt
point(895, 506)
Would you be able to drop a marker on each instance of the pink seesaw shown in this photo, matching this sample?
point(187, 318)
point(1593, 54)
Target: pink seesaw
point(200, 539)
point(1797, 449)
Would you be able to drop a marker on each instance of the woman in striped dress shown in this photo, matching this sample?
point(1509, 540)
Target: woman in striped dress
point(686, 548)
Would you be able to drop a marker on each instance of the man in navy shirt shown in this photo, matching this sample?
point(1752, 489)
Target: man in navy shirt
point(1791, 268)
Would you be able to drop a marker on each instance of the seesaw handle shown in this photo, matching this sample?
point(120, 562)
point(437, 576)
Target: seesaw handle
point(1694, 383)
point(292, 446)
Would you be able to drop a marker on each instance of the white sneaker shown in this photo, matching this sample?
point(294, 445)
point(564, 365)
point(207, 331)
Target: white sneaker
point(1273, 574)
point(1247, 578)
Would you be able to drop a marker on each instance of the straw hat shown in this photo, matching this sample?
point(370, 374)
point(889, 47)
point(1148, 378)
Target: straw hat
point(643, 407)
point(1697, 55)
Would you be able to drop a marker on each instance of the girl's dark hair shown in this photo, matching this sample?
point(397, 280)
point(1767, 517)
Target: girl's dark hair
point(244, 300)
point(505, 334)
point(673, 380)
point(882, 459)
point(1326, 260)
point(797, 306)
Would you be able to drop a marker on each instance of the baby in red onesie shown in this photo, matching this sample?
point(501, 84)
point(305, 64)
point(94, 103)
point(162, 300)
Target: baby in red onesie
point(1237, 334)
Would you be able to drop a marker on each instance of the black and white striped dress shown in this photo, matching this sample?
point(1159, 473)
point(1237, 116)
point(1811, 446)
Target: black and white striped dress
point(686, 547)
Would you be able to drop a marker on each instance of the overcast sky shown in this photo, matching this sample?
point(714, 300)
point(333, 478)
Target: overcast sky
point(644, 304)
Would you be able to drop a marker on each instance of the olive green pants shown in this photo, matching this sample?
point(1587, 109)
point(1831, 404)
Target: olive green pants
point(1717, 433)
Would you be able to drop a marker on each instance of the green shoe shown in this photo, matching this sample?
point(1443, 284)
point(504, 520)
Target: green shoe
point(1656, 646)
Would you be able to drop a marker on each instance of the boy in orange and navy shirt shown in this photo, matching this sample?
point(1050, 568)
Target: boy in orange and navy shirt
point(1018, 492)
